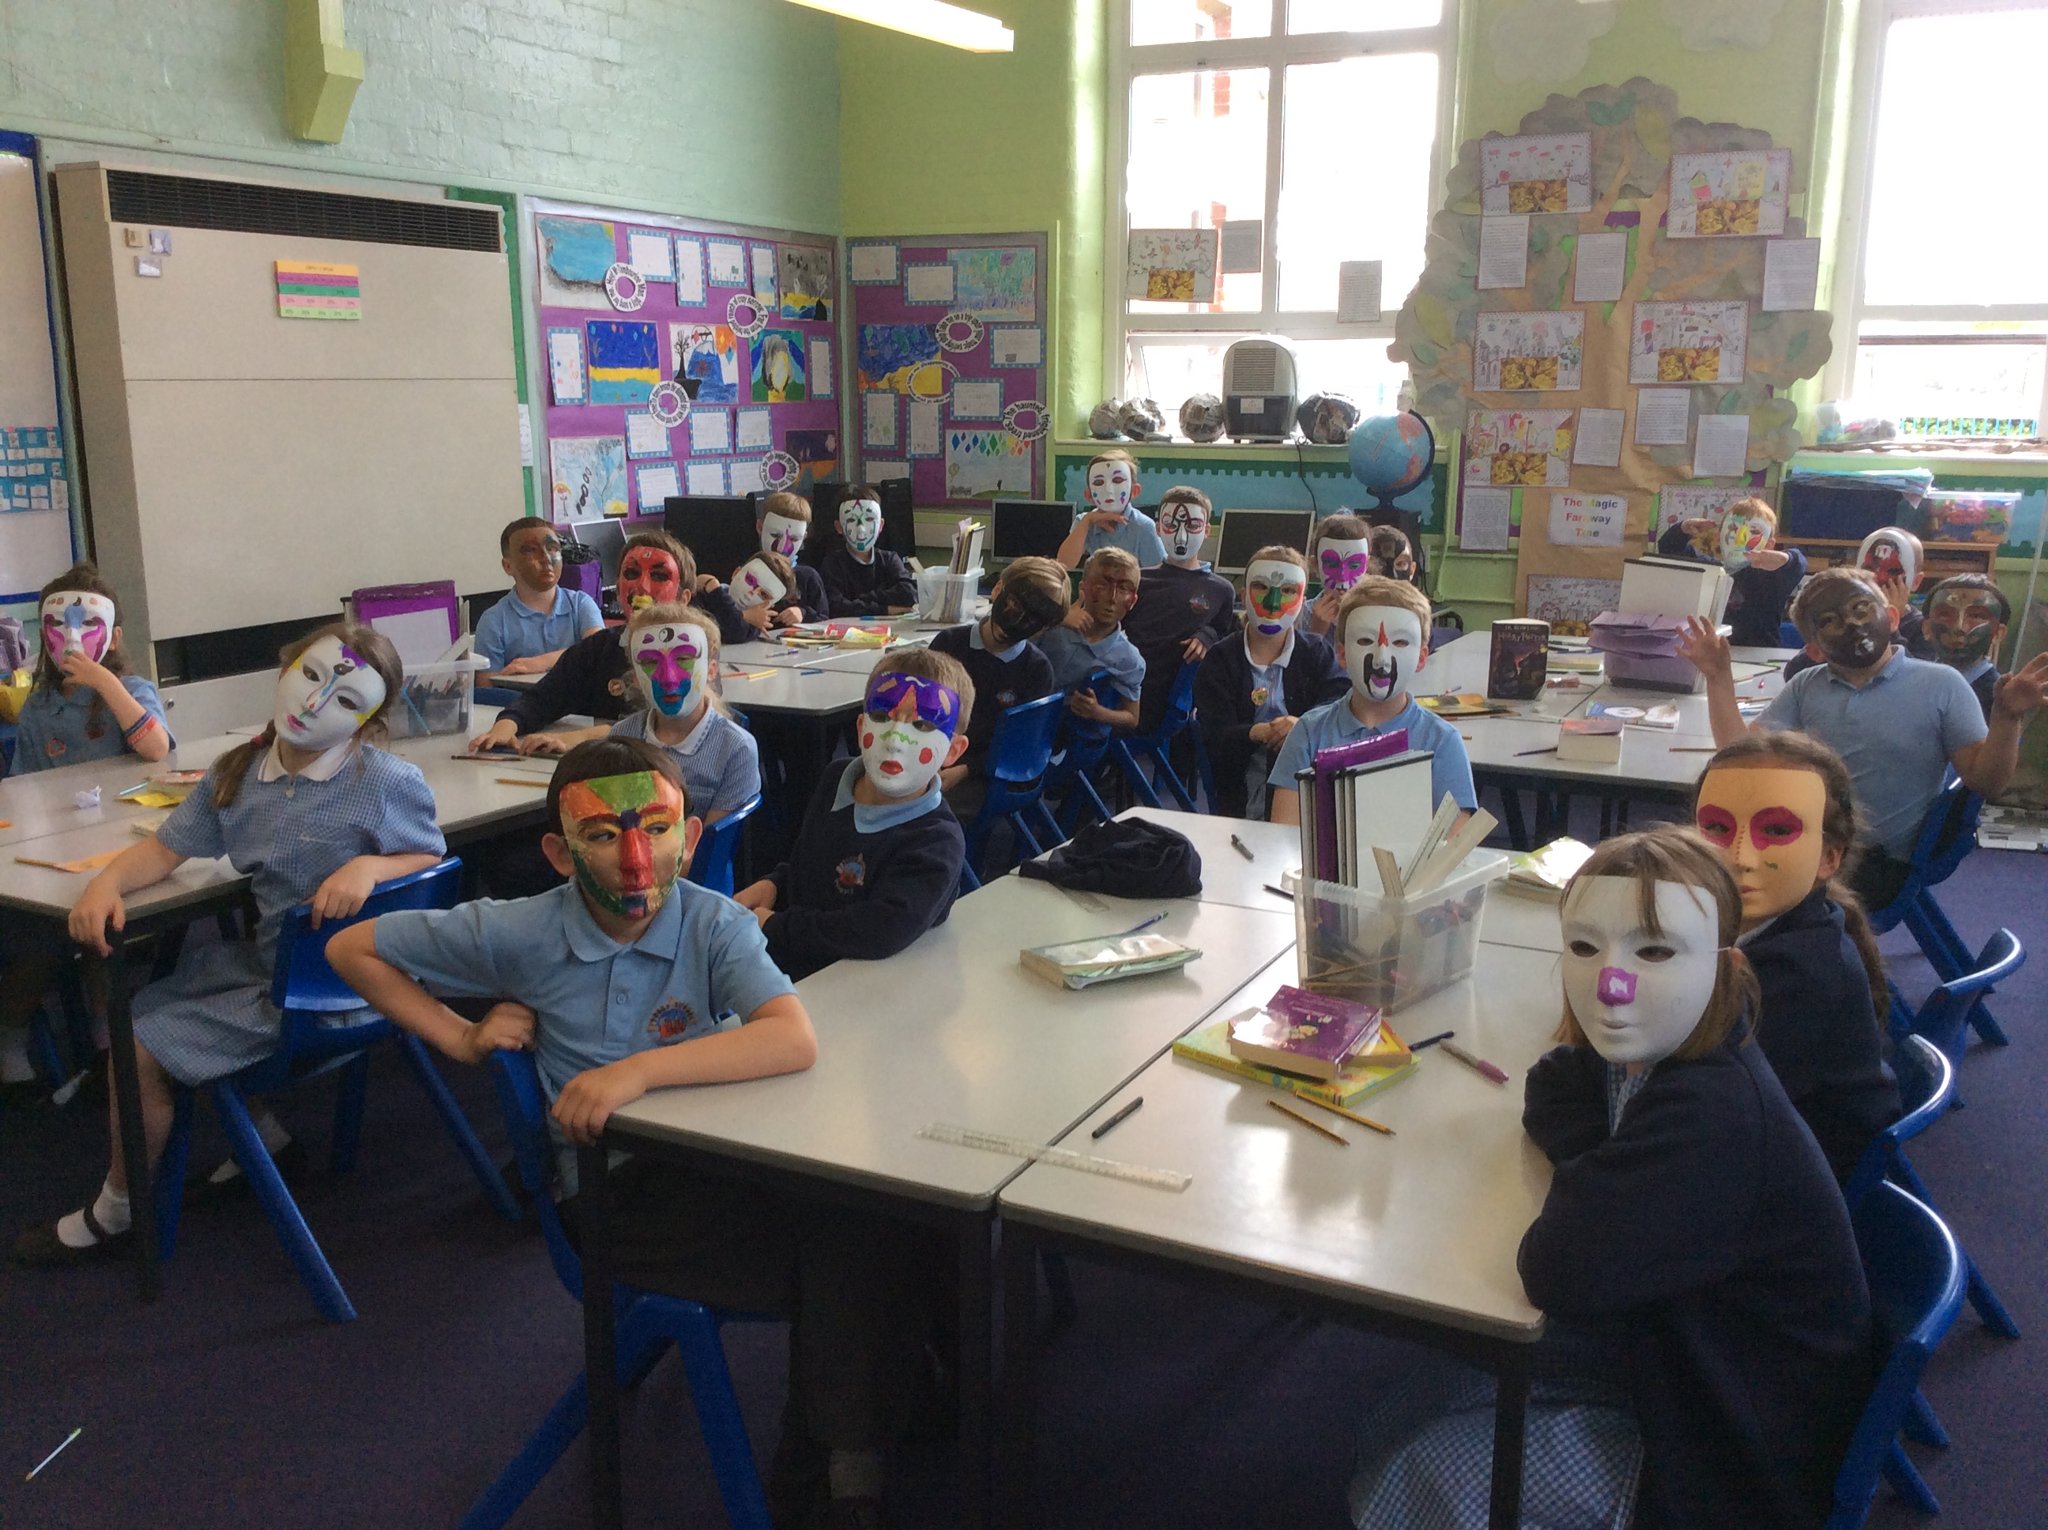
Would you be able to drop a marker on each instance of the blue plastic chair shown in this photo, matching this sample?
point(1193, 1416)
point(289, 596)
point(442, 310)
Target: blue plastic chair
point(647, 1323)
point(306, 991)
point(1083, 746)
point(1788, 635)
point(1155, 745)
point(1944, 1018)
point(1916, 1289)
point(1947, 835)
point(1019, 760)
point(711, 866)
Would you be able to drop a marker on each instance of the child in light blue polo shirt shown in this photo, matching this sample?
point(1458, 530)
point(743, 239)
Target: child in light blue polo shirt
point(673, 651)
point(1092, 638)
point(526, 632)
point(1385, 628)
point(85, 705)
point(1111, 518)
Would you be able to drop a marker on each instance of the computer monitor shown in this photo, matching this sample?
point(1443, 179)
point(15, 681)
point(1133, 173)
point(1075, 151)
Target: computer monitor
point(1029, 528)
point(606, 538)
point(1246, 531)
point(899, 515)
point(718, 530)
point(824, 535)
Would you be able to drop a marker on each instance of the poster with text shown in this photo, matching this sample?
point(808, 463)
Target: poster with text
point(1698, 342)
point(1529, 352)
point(1539, 173)
point(1733, 193)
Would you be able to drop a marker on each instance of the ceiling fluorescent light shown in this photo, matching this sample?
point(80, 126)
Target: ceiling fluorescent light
point(933, 20)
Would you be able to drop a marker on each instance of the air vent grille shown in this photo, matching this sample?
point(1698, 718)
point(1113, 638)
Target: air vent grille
point(179, 201)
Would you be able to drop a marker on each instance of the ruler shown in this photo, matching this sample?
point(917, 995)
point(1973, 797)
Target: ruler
point(1060, 1158)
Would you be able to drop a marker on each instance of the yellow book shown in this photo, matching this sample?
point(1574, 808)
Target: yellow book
point(1386, 1061)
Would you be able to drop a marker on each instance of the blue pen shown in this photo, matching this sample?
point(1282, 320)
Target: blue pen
point(1146, 924)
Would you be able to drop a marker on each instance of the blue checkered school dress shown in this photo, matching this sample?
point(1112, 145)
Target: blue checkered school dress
point(213, 1015)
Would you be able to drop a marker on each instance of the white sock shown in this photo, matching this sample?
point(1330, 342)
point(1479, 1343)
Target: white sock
point(275, 1139)
point(110, 1211)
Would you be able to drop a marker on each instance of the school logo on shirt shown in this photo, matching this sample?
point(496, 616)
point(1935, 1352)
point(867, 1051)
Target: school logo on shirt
point(852, 873)
point(1006, 699)
point(1260, 693)
point(54, 748)
point(671, 1018)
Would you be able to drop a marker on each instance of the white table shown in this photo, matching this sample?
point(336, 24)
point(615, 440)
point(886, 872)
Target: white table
point(43, 802)
point(1414, 1234)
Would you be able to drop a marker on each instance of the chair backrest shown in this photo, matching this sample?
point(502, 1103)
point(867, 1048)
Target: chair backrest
point(1947, 833)
point(1927, 1086)
point(1086, 742)
point(1180, 703)
point(1022, 747)
point(303, 983)
point(711, 866)
point(1942, 1018)
point(1916, 1275)
point(525, 1108)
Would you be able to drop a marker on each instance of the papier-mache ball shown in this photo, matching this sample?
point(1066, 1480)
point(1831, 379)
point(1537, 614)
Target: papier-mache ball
point(1202, 418)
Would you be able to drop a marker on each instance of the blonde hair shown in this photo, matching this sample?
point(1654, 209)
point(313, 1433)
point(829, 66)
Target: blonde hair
point(676, 614)
point(1707, 541)
point(791, 507)
point(1278, 553)
point(1112, 557)
point(1379, 590)
point(1669, 853)
point(1113, 454)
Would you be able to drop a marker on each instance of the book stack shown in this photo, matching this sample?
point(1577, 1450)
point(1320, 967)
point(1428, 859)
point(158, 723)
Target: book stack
point(1541, 874)
point(1372, 1055)
point(1461, 704)
point(1590, 740)
point(1104, 958)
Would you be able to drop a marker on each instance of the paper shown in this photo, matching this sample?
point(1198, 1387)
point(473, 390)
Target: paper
point(985, 463)
point(762, 258)
point(1358, 292)
point(1171, 265)
point(728, 259)
point(313, 290)
point(873, 262)
point(1518, 446)
point(1546, 173)
point(525, 438)
point(645, 436)
point(928, 284)
point(656, 483)
point(756, 430)
point(1691, 342)
point(625, 360)
point(927, 426)
point(1517, 352)
point(880, 470)
point(710, 431)
point(651, 255)
point(589, 476)
point(566, 382)
point(995, 281)
point(1598, 442)
point(1688, 502)
point(1721, 449)
point(1504, 252)
point(1730, 193)
point(1016, 346)
point(1244, 245)
point(82, 864)
point(746, 477)
point(689, 273)
point(1791, 275)
point(818, 354)
point(878, 419)
point(1484, 526)
point(1602, 269)
point(977, 401)
point(705, 477)
point(1663, 416)
point(1587, 520)
point(807, 288)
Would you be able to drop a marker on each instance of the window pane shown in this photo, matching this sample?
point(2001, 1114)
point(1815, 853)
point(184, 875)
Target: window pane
point(1197, 159)
point(1172, 21)
point(1951, 221)
point(1936, 389)
point(1355, 174)
point(1358, 369)
point(1170, 369)
point(1361, 15)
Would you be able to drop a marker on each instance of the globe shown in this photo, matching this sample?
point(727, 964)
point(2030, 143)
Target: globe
point(1391, 454)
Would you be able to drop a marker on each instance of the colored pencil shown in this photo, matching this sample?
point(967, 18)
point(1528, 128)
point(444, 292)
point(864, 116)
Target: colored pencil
point(1349, 1115)
point(523, 781)
point(1312, 1124)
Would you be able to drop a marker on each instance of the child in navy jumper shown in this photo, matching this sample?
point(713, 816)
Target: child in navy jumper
point(1006, 667)
point(755, 602)
point(1184, 608)
point(784, 520)
point(877, 862)
point(862, 578)
point(1741, 542)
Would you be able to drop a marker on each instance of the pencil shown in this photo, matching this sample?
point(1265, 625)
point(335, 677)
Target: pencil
point(523, 781)
point(74, 1434)
point(1519, 753)
point(1349, 1115)
point(1241, 847)
point(1312, 1124)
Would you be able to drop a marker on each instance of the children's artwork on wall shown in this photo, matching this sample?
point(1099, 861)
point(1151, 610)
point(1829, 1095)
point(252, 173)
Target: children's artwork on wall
point(818, 368)
point(646, 436)
point(778, 369)
point(1526, 352)
point(928, 282)
point(649, 252)
point(927, 428)
point(574, 254)
point(995, 281)
point(1686, 502)
point(1017, 345)
point(705, 359)
point(755, 431)
point(1536, 173)
point(654, 482)
point(567, 381)
point(878, 419)
point(762, 257)
point(710, 431)
point(817, 451)
point(1519, 446)
point(890, 354)
point(625, 363)
point(1729, 194)
point(1569, 604)
point(1171, 265)
point(705, 478)
point(871, 263)
point(589, 477)
point(806, 281)
point(1699, 342)
point(983, 464)
point(728, 259)
point(689, 273)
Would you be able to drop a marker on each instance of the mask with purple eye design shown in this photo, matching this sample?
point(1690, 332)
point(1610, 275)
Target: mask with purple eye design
point(1343, 562)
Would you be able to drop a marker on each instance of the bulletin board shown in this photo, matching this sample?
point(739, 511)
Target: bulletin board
point(678, 358)
point(1616, 300)
point(949, 353)
point(35, 481)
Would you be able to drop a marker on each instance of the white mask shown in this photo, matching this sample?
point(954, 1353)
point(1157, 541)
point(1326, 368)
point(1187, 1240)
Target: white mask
point(906, 729)
point(1109, 486)
point(1185, 526)
point(1638, 995)
point(860, 522)
point(670, 661)
point(1343, 561)
point(1274, 591)
point(783, 534)
point(1739, 536)
point(756, 582)
point(1382, 650)
point(325, 695)
point(77, 621)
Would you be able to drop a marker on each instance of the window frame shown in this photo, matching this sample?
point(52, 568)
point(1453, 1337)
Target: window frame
point(1274, 53)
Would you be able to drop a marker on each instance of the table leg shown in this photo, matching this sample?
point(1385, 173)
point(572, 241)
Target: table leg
point(977, 1380)
point(600, 1361)
point(128, 1109)
point(1017, 1447)
point(1510, 1416)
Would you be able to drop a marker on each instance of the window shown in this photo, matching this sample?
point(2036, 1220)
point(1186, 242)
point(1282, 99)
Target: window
point(1950, 298)
point(1309, 131)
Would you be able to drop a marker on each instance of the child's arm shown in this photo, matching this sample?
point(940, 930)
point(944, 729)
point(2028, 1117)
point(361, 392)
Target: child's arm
point(1709, 653)
point(1564, 1102)
point(777, 1038)
point(1084, 705)
point(561, 742)
point(142, 730)
point(1987, 766)
point(533, 663)
point(900, 592)
point(100, 905)
point(1075, 545)
point(905, 895)
point(349, 887)
point(353, 954)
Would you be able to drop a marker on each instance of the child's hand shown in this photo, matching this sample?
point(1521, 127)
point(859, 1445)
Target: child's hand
point(1698, 525)
point(1896, 595)
point(2018, 695)
point(1322, 616)
point(1707, 650)
point(508, 1027)
point(1084, 705)
point(706, 583)
point(502, 734)
point(97, 907)
point(789, 616)
point(762, 915)
point(588, 1100)
point(1194, 648)
point(757, 617)
point(1275, 732)
point(1103, 520)
point(1768, 558)
point(345, 892)
point(532, 664)
point(79, 669)
point(756, 895)
point(543, 743)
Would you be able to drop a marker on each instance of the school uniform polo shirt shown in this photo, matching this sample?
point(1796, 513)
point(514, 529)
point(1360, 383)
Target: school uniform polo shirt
point(720, 762)
point(1137, 534)
point(54, 729)
point(1334, 723)
point(1074, 659)
point(1895, 732)
point(514, 630)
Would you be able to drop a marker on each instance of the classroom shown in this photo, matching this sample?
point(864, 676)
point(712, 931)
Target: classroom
point(1109, 763)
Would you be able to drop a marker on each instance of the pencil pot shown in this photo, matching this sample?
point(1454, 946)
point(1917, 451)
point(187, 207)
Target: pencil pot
point(436, 698)
point(1358, 944)
point(943, 596)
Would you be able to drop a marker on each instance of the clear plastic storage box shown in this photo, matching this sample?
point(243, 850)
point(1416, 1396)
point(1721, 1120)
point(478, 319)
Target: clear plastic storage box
point(436, 698)
point(944, 596)
point(1360, 944)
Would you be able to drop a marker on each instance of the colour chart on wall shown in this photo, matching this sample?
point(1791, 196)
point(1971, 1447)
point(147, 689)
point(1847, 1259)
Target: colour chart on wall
point(949, 364)
point(680, 360)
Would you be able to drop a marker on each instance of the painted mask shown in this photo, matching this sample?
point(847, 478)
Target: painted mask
point(77, 621)
point(648, 576)
point(1392, 556)
point(1962, 623)
point(536, 557)
point(907, 725)
point(1766, 820)
point(325, 695)
point(1343, 561)
point(1108, 596)
point(1852, 624)
point(1739, 536)
point(785, 534)
point(1382, 650)
point(672, 665)
point(1274, 591)
point(860, 522)
point(626, 836)
point(755, 583)
point(1020, 611)
point(1638, 993)
point(1185, 525)
point(1889, 554)
point(1109, 486)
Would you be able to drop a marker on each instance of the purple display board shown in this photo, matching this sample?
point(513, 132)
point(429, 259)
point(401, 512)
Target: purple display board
point(677, 360)
point(949, 347)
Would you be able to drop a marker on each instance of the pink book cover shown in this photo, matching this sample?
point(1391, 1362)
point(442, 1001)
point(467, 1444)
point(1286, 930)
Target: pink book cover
point(1306, 1033)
